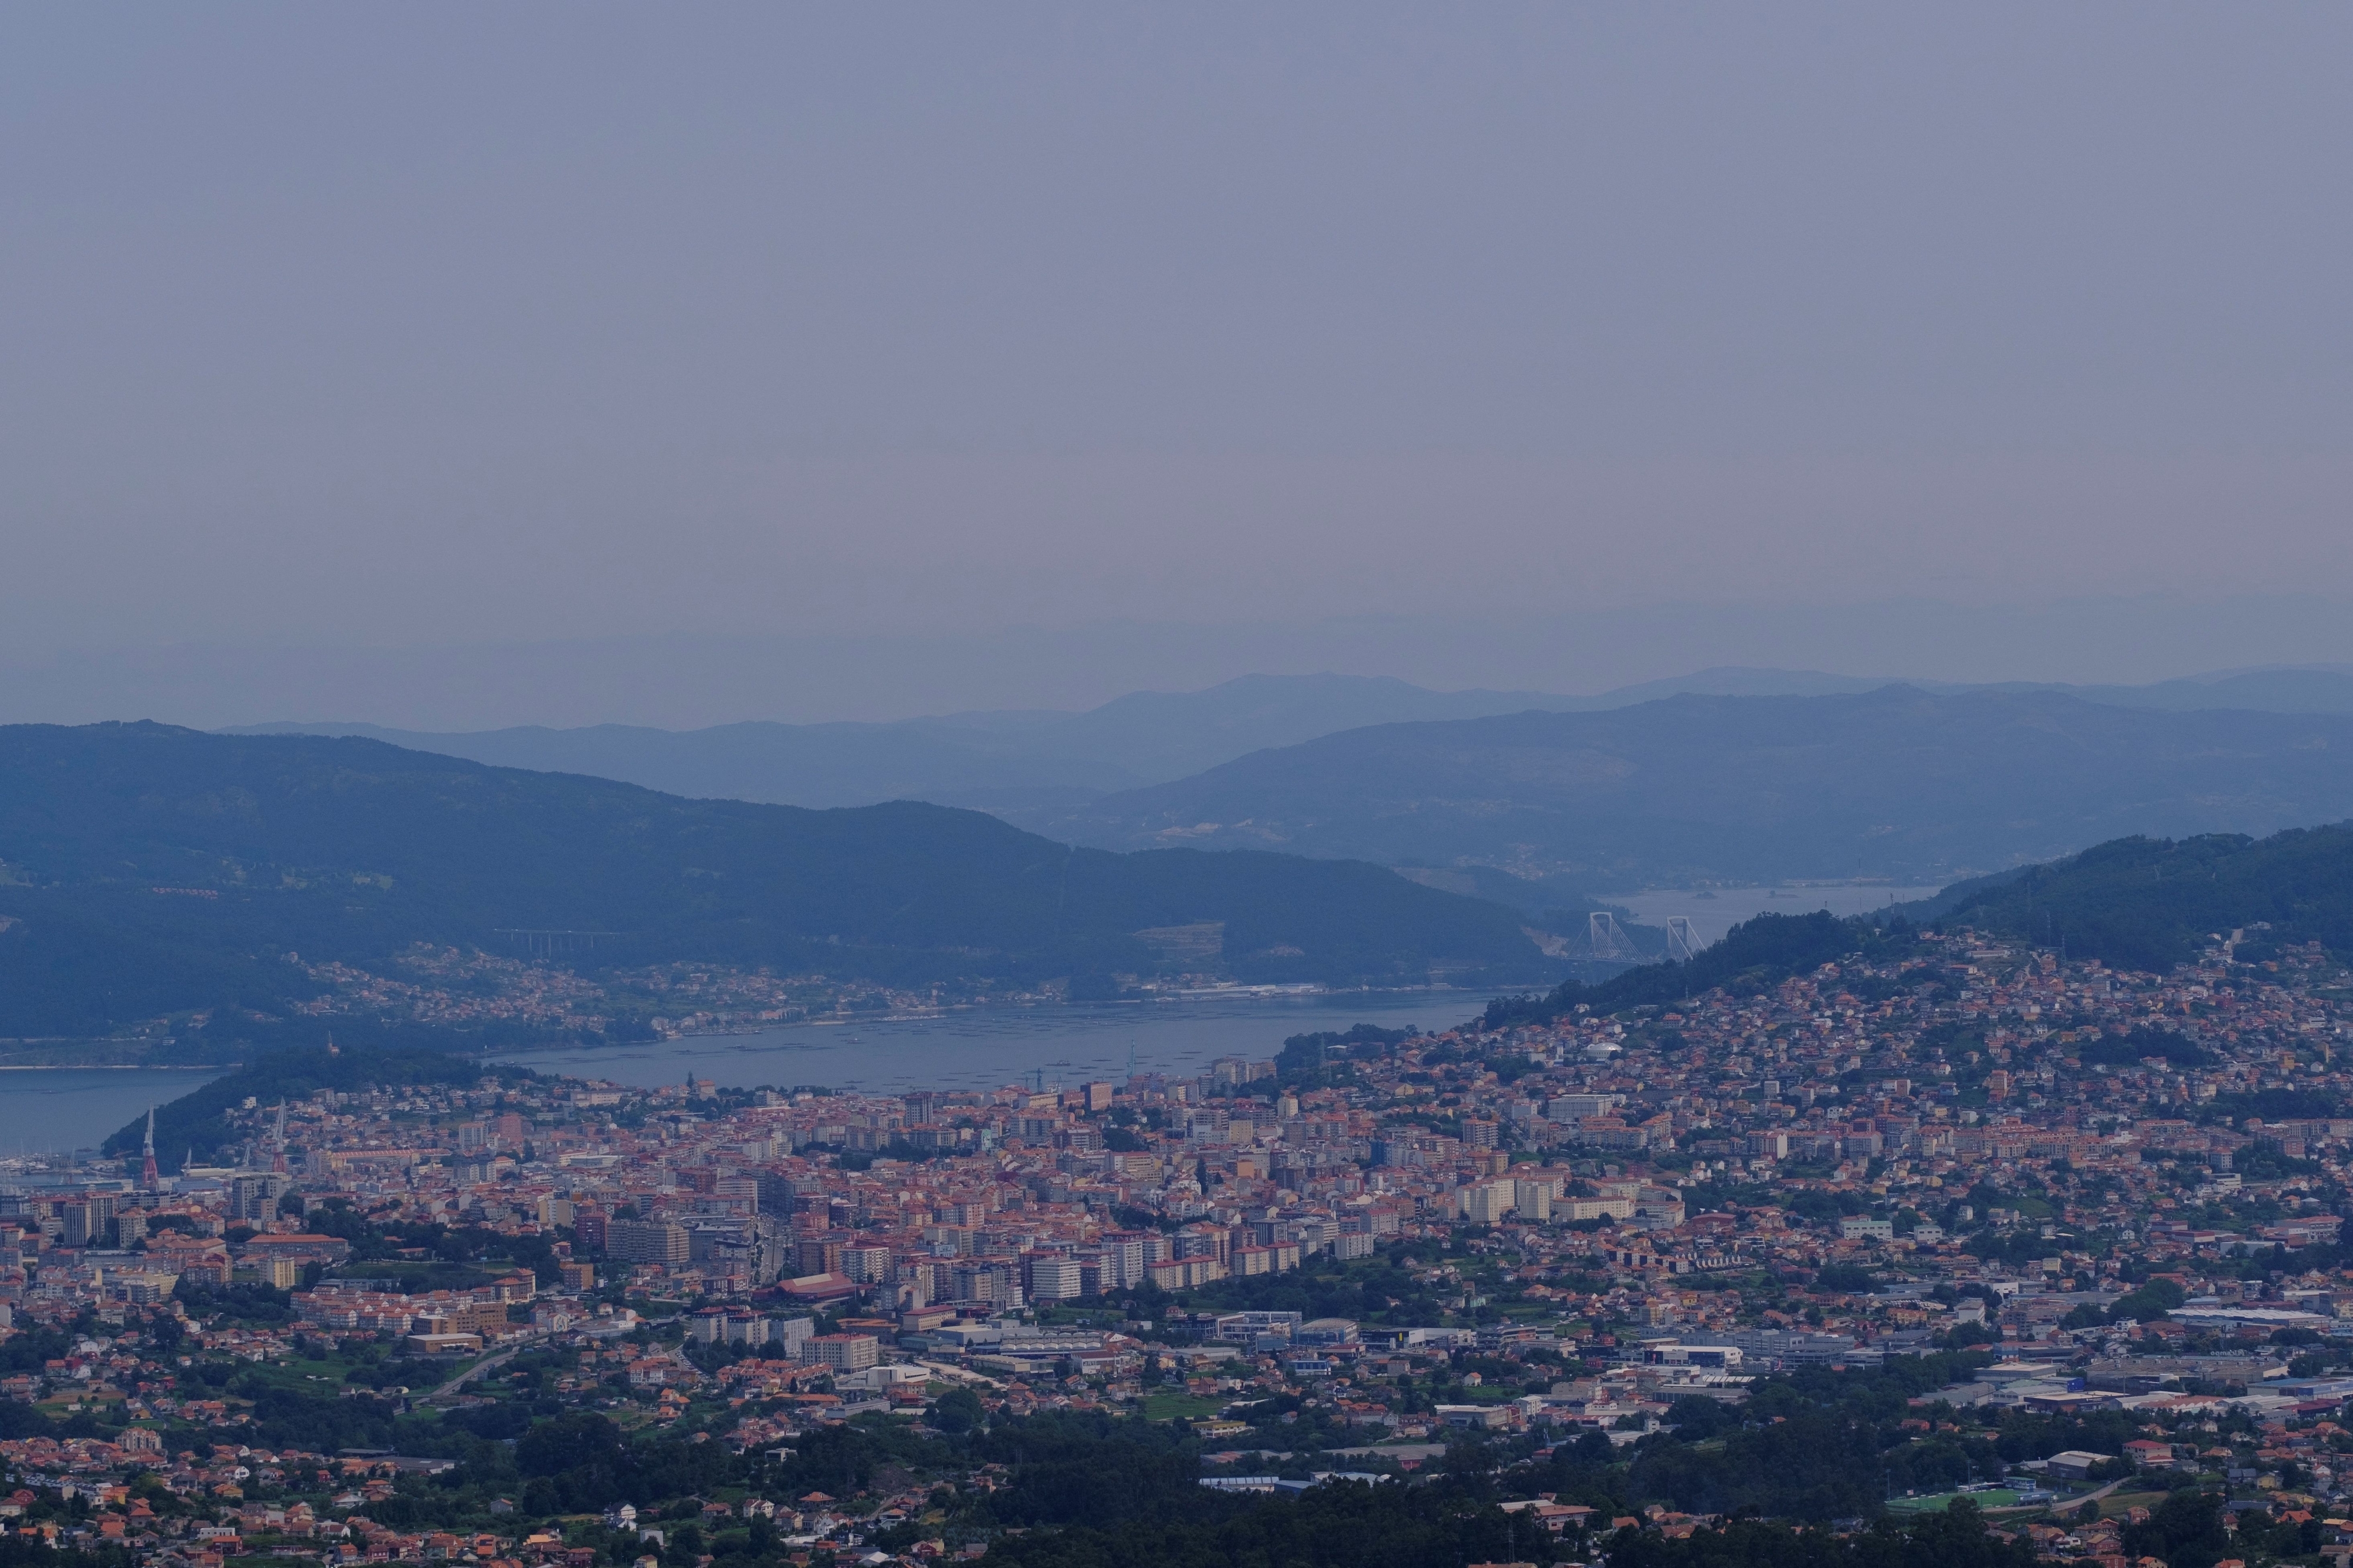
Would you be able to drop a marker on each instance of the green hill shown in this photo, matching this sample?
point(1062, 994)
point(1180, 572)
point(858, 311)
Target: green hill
point(146, 870)
point(2150, 903)
point(198, 1122)
point(2135, 903)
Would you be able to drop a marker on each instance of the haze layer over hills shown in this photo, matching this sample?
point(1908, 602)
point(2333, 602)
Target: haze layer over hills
point(1016, 760)
point(1261, 762)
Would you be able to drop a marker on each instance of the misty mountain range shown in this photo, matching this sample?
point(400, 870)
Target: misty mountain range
point(990, 759)
point(1728, 774)
point(1897, 783)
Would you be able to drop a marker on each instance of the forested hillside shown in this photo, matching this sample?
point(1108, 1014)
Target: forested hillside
point(149, 869)
point(2135, 903)
point(2149, 903)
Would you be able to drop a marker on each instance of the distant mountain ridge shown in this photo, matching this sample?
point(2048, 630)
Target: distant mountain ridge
point(2311, 689)
point(982, 760)
point(1897, 783)
point(1028, 765)
point(145, 869)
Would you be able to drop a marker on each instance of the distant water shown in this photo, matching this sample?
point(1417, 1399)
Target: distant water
point(57, 1109)
point(60, 1108)
point(1715, 911)
point(989, 1048)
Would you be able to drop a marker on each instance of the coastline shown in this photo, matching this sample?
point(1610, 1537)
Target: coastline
point(120, 1067)
point(1195, 995)
point(1208, 994)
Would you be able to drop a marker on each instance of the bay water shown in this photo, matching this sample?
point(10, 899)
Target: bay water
point(55, 1111)
point(991, 1047)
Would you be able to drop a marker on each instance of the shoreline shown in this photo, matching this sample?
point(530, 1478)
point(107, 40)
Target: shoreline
point(1250, 993)
point(120, 1067)
point(1233, 992)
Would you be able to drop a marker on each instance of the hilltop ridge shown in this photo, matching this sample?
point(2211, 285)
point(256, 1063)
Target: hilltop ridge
point(151, 870)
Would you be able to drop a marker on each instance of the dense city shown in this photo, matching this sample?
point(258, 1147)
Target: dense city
point(442, 986)
point(1952, 1234)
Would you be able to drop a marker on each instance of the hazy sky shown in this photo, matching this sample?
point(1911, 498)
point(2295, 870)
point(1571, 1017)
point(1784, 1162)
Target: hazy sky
point(414, 327)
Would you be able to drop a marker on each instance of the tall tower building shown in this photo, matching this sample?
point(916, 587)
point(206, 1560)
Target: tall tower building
point(150, 1179)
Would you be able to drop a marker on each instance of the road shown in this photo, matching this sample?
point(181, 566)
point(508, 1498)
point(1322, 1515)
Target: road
point(2103, 1492)
point(479, 1367)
